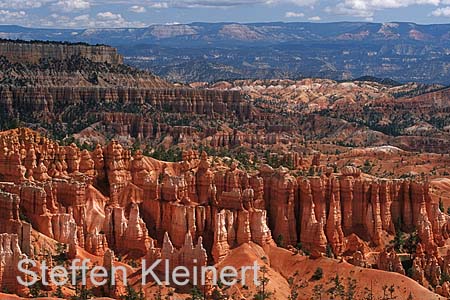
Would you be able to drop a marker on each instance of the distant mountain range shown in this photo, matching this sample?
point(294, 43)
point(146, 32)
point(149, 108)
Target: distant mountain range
point(215, 51)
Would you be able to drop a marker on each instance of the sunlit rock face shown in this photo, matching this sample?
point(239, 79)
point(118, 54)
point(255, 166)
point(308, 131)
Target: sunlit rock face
point(191, 211)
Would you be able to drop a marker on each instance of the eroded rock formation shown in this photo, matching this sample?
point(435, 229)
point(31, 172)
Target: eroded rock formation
point(108, 199)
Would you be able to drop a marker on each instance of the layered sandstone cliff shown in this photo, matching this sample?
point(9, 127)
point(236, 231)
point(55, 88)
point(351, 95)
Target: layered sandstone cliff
point(33, 52)
point(50, 102)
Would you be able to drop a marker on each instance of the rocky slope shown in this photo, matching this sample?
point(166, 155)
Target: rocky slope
point(363, 113)
point(72, 88)
point(96, 101)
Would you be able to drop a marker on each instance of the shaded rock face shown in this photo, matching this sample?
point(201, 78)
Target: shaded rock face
point(11, 223)
point(53, 99)
point(189, 255)
point(32, 52)
point(10, 255)
point(126, 235)
point(429, 266)
point(390, 261)
point(49, 103)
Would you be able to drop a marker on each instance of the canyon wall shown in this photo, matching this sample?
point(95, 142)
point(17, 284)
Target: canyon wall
point(52, 100)
point(125, 111)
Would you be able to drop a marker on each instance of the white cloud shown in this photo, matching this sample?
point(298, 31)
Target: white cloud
point(442, 12)
point(293, 14)
point(211, 3)
point(295, 2)
point(72, 5)
point(137, 9)
point(101, 20)
point(82, 18)
point(300, 2)
point(112, 20)
point(229, 3)
point(6, 14)
point(22, 4)
point(107, 15)
point(159, 5)
point(366, 8)
point(343, 9)
point(315, 18)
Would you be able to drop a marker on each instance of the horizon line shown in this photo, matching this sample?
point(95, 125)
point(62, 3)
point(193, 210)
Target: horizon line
point(227, 22)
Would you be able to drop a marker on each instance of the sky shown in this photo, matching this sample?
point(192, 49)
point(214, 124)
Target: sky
point(134, 13)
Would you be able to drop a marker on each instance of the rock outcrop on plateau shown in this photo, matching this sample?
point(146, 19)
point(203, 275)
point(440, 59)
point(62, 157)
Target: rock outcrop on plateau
point(33, 52)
